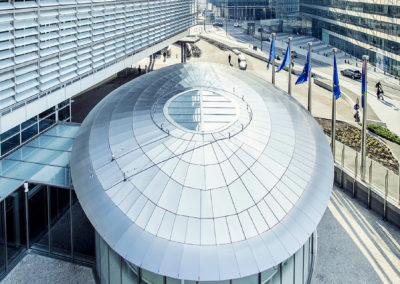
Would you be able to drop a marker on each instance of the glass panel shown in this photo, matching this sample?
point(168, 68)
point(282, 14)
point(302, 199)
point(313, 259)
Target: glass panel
point(298, 272)
point(60, 221)
point(306, 260)
point(37, 204)
point(287, 271)
point(63, 114)
point(10, 144)
point(9, 133)
point(29, 132)
point(277, 278)
point(98, 261)
point(104, 262)
point(47, 122)
point(268, 274)
point(46, 112)
point(64, 103)
point(115, 266)
point(2, 247)
point(128, 276)
point(83, 233)
point(173, 281)
point(253, 279)
point(29, 122)
point(151, 278)
point(16, 235)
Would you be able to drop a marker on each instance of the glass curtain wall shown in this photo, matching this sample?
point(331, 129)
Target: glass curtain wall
point(113, 269)
point(12, 229)
point(57, 224)
point(18, 135)
point(52, 221)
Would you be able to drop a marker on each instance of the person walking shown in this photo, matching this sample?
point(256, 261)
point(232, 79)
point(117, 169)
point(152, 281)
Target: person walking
point(139, 70)
point(229, 59)
point(379, 91)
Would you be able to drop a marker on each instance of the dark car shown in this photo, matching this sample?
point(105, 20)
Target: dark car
point(353, 74)
point(218, 24)
point(294, 53)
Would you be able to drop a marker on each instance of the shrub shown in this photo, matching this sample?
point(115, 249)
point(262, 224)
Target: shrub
point(384, 132)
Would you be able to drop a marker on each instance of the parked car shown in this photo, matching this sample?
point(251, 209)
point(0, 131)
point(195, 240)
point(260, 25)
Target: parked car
point(236, 25)
point(242, 63)
point(218, 24)
point(294, 53)
point(353, 74)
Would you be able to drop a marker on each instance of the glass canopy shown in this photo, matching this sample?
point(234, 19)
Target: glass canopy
point(44, 160)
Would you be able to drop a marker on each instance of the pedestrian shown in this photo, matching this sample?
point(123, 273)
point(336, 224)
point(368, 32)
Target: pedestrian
point(145, 69)
point(238, 61)
point(139, 70)
point(229, 58)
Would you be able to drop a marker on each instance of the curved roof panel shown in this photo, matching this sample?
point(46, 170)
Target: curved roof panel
point(198, 171)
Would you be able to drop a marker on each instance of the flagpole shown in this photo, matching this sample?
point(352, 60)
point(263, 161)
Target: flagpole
point(309, 79)
point(273, 61)
point(364, 123)
point(290, 66)
point(333, 135)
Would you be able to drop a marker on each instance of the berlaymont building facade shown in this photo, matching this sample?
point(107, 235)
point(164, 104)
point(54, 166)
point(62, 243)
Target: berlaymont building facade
point(194, 173)
point(358, 27)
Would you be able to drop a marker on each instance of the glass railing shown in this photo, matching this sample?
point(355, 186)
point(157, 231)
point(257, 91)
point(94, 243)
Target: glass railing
point(382, 178)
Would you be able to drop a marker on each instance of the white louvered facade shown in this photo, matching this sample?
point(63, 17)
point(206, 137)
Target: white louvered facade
point(48, 48)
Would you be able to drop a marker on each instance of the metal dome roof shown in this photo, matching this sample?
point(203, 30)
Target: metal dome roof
point(198, 171)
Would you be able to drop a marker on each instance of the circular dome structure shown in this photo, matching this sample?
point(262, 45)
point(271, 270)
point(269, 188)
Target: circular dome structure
point(201, 172)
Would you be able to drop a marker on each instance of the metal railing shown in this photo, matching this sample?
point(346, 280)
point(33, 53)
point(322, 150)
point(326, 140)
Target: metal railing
point(378, 177)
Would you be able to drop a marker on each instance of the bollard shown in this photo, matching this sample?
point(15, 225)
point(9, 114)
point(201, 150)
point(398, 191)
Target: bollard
point(342, 172)
point(355, 175)
point(386, 194)
point(369, 185)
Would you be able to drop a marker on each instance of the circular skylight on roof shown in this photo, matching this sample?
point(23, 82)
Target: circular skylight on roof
point(201, 111)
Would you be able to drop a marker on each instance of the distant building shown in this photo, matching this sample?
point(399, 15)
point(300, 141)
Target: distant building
point(358, 28)
point(287, 11)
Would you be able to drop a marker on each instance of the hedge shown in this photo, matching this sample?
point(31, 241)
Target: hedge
point(384, 132)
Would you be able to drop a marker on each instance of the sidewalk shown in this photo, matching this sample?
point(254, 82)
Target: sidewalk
point(354, 245)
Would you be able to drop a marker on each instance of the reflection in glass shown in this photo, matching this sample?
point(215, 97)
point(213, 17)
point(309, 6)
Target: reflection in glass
point(83, 233)
point(37, 212)
point(2, 247)
point(15, 214)
point(60, 222)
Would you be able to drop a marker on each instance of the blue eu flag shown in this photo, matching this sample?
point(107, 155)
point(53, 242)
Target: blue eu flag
point(285, 61)
point(304, 75)
point(271, 53)
point(336, 88)
point(362, 86)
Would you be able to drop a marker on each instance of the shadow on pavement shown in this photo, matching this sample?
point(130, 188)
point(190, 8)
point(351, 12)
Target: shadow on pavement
point(355, 245)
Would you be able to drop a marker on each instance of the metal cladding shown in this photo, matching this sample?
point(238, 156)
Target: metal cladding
point(201, 172)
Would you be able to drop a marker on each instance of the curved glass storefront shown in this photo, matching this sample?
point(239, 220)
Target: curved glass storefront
point(114, 269)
